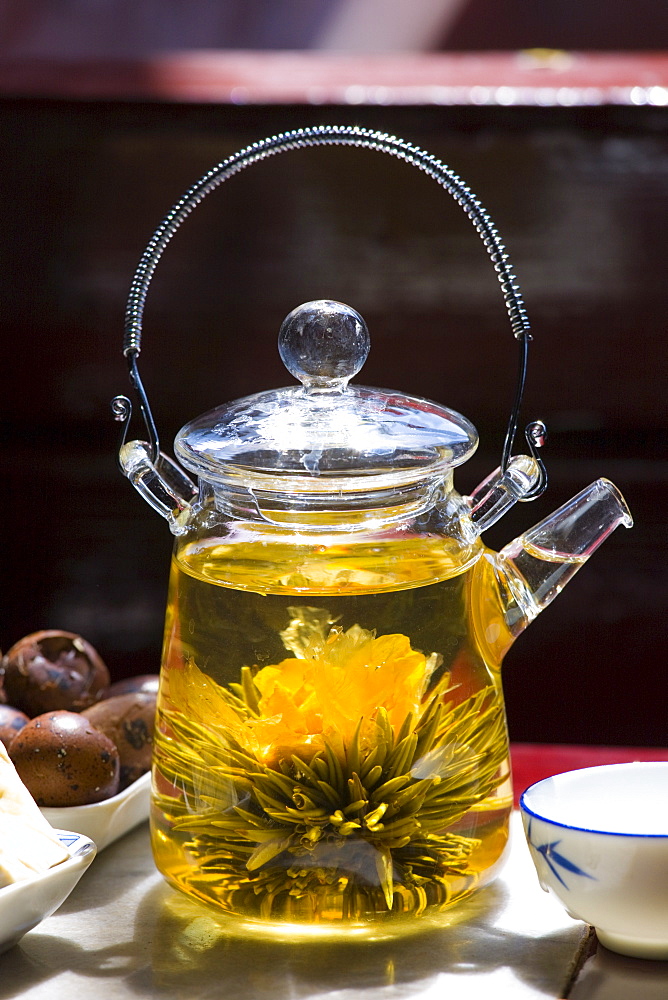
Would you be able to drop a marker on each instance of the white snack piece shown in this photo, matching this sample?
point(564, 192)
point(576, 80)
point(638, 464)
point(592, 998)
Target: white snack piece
point(28, 843)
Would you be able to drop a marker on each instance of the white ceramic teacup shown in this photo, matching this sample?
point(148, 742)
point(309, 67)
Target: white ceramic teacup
point(599, 840)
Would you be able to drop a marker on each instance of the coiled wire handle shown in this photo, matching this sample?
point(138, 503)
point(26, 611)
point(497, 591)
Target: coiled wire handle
point(332, 135)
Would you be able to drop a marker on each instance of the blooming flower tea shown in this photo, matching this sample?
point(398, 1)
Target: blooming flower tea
point(340, 756)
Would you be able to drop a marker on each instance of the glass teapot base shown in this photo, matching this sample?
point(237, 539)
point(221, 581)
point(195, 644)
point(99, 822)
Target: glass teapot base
point(206, 925)
point(236, 907)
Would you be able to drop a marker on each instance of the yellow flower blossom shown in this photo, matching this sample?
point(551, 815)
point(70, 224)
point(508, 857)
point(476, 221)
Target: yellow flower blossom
point(335, 683)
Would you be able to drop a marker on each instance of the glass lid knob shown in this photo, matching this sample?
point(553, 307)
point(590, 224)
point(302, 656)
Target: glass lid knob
point(323, 344)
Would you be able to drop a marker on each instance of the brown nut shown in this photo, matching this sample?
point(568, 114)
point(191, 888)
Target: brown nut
point(128, 720)
point(142, 682)
point(51, 671)
point(63, 760)
point(11, 722)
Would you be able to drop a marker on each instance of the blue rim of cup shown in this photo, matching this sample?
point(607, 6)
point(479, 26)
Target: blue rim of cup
point(584, 829)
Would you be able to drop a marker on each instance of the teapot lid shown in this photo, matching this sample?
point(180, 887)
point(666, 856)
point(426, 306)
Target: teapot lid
point(324, 433)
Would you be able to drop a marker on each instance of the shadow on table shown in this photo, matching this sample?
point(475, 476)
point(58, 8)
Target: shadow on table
point(607, 976)
point(178, 948)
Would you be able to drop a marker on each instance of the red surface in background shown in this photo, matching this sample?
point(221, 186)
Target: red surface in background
point(534, 761)
point(538, 77)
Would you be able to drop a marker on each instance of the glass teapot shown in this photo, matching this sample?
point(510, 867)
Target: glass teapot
point(331, 748)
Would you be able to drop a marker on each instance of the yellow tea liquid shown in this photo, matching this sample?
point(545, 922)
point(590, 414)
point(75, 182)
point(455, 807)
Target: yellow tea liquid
point(331, 745)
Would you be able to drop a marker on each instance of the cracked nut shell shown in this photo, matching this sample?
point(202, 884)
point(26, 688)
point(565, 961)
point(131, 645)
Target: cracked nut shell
point(128, 720)
point(51, 671)
point(11, 722)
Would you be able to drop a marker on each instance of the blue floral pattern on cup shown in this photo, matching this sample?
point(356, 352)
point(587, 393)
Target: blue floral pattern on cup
point(555, 859)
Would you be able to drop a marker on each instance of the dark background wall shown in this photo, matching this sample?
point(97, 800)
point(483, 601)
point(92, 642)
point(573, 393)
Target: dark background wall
point(580, 196)
point(136, 28)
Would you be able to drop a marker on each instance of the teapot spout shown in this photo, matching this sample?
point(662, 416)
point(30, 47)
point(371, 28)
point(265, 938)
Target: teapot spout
point(539, 563)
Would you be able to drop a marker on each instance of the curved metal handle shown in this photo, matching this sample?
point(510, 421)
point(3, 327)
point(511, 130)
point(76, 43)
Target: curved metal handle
point(335, 135)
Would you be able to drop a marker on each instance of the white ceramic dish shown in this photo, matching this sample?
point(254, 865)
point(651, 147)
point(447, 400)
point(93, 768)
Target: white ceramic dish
point(105, 821)
point(599, 840)
point(25, 904)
